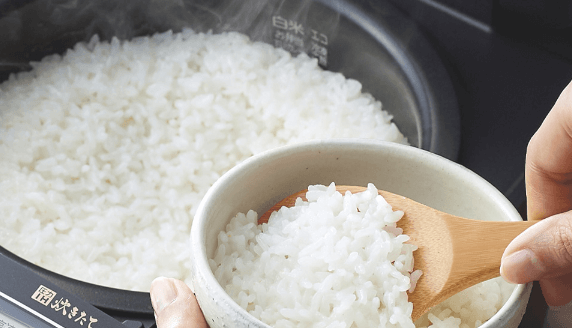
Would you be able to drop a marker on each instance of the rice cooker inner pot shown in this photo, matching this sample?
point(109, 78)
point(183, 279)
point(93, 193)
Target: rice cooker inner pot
point(369, 41)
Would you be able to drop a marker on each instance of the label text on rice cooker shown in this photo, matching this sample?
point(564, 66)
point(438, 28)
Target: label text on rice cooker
point(293, 36)
point(44, 296)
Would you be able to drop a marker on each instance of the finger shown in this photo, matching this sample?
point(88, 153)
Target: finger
point(557, 291)
point(549, 162)
point(543, 251)
point(175, 305)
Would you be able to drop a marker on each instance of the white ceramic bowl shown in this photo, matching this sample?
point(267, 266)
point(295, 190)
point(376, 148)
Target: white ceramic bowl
point(263, 180)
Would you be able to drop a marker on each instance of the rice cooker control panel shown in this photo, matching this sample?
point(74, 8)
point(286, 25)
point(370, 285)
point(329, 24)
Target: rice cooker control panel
point(27, 300)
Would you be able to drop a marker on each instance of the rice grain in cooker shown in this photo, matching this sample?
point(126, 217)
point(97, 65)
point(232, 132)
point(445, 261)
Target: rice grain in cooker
point(108, 149)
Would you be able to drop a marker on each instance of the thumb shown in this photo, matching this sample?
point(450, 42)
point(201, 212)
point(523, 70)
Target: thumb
point(175, 305)
point(543, 251)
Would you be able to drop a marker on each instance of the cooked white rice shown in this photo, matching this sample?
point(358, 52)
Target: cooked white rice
point(106, 151)
point(336, 261)
point(469, 308)
point(333, 261)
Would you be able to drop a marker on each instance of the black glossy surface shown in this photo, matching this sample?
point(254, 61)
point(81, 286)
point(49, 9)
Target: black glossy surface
point(120, 304)
point(21, 284)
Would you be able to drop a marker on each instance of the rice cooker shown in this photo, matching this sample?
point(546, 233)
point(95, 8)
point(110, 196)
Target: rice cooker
point(371, 42)
point(29, 300)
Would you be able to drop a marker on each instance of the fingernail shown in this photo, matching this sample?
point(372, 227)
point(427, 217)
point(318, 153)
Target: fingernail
point(163, 293)
point(521, 267)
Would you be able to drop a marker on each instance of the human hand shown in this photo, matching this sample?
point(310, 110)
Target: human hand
point(175, 305)
point(544, 251)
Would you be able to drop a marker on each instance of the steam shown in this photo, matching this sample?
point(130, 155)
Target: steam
point(37, 28)
point(42, 27)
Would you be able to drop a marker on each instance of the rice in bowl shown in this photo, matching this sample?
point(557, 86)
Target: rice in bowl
point(332, 261)
point(107, 150)
point(336, 261)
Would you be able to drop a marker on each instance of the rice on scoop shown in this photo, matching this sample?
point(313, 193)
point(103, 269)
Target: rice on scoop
point(337, 261)
point(107, 150)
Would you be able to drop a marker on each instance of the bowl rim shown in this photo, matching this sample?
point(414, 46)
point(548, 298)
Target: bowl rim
point(201, 267)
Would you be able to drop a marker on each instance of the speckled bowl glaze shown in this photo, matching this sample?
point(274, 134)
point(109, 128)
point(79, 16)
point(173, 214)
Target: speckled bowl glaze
point(263, 180)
